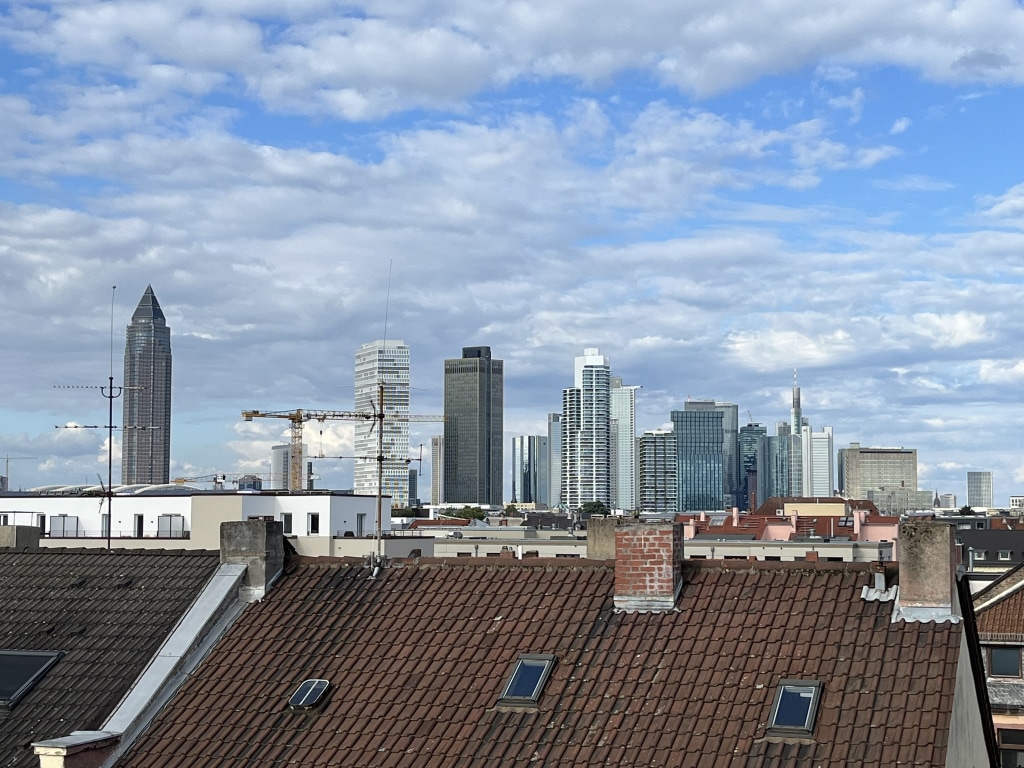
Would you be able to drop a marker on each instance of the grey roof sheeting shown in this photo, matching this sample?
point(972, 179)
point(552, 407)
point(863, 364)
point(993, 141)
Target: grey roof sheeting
point(108, 612)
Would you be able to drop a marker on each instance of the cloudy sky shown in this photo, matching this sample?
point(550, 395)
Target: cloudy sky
point(713, 193)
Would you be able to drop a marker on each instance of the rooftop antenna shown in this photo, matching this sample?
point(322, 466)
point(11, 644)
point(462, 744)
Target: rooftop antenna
point(111, 393)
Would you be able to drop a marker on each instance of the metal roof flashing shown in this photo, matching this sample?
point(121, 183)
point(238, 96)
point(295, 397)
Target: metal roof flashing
point(933, 614)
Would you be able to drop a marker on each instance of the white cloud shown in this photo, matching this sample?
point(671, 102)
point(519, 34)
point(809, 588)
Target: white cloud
point(854, 102)
point(954, 330)
point(900, 126)
point(913, 183)
point(1001, 371)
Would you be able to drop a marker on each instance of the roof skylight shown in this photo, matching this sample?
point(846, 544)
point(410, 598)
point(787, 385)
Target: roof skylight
point(21, 670)
point(795, 707)
point(527, 679)
point(308, 694)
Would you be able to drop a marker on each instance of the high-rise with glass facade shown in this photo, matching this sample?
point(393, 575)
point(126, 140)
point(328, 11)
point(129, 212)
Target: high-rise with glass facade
point(146, 440)
point(658, 487)
point(554, 459)
point(699, 459)
point(749, 440)
point(530, 470)
point(383, 363)
point(473, 408)
point(586, 433)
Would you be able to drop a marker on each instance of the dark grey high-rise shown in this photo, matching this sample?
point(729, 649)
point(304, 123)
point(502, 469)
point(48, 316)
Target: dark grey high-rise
point(473, 407)
point(146, 441)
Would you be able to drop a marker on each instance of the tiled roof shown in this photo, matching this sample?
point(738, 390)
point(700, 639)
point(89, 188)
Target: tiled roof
point(1000, 605)
point(107, 611)
point(417, 657)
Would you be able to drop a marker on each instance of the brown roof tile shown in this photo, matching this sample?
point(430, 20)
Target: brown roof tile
point(417, 658)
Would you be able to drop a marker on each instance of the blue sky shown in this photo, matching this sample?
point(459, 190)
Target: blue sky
point(712, 193)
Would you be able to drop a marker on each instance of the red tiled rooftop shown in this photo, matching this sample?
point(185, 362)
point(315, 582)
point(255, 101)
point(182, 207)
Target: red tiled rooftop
point(417, 657)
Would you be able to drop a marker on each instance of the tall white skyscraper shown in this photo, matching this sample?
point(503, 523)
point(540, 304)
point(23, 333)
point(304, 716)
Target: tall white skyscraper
point(586, 433)
point(819, 469)
point(624, 448)
point(387, 363)
point(437, 469)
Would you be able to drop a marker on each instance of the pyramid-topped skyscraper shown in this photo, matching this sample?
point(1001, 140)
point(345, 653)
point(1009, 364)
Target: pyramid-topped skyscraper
point(146, 441)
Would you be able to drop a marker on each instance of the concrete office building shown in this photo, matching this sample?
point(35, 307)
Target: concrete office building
point(146, 420)
point(383, 362)
point(861, 469)
point(586, 433)
point(473, 409)
point(280, 462)
point(979, 490)
point(437, 469)
point(623, 428)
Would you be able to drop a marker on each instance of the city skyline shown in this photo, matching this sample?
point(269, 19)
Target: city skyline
point(709, 205)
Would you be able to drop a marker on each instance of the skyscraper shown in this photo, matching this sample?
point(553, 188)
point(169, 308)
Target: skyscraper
point(436, 469)
point(622, 403)
point(699, 459)
point(146, 440)
point(530, 470)
point(554, 459)
point(979, 490)
point(586, 433)
point(473, 428)
point(387, 363)
point(818, 472)
point(749, 440)
point(731, 484)
point(658, 471)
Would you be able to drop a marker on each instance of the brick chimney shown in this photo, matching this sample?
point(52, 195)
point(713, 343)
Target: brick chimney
point(928, 570)
point(648, 566)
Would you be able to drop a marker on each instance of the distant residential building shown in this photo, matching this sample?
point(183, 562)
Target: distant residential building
point(748, 439)
point(383, 362)
point(699, 459)
point(979, 490)
point(658, 485)
point(473, 427)
point(146, 420)
point(818, 469)
point(622, 402)
point(530, 470)
point(860, 469)
point(554, 459)
point(586, 432)
point(437, 469)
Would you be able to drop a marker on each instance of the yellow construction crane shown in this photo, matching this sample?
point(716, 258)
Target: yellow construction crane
point(300, 416)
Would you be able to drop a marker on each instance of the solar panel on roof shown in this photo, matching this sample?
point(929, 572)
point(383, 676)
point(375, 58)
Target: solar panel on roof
point(308, 694)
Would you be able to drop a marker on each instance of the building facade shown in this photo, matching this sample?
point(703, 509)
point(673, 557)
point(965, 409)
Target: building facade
point(586, 433)
point(979, 490)
point(818, 472)
point(748, 441)
point(658, 485)
point(530, 472)
point(146, 440)
point(383, 364)
point(623, 428)
point(437, 469)
point(473, 408)
point(554, 459)
point(861, 469)
point(699, 459)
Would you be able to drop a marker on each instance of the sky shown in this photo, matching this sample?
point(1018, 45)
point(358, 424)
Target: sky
point(712, 193)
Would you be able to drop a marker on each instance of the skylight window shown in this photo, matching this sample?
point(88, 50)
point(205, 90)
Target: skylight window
point(20, 671)
point(526, 682)
point(308, 694)
point(795, 707)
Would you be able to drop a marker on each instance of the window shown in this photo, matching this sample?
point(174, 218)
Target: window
point(527, 679)
point(980, 554)
point(313, 523)
point(308, 694)
point(63, 526)
point(20, 671)
point(41, 524)
point(360, 525)
point(795, 707)
point(1004, 662)
point(3, 519)
point(1004, 554)
point(286, 523)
